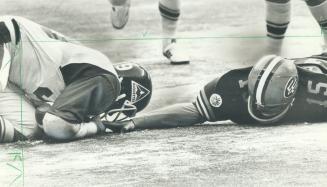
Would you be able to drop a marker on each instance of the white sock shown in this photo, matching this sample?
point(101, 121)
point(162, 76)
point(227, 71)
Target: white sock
point(170, 11)
point(277, 17)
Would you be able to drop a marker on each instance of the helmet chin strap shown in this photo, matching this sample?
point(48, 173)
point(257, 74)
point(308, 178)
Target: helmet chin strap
point(268, 120)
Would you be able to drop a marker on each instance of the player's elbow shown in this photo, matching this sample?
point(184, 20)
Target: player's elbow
point(59, 129)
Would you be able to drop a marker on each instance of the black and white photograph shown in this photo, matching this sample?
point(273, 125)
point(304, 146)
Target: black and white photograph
point(163, 93)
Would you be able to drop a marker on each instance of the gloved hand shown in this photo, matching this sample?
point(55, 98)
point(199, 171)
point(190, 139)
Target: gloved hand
point(120, 126)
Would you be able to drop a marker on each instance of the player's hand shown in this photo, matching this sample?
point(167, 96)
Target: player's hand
point(120, 126)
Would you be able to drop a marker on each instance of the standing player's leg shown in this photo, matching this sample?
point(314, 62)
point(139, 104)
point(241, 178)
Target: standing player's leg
point(170, 12)
point(17, 117)
point(318, 9)
point(119, 13)
point(277, 19)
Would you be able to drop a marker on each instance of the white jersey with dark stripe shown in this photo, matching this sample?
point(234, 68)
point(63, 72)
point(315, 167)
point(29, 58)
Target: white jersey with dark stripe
point(225, 98)
point(37, 54)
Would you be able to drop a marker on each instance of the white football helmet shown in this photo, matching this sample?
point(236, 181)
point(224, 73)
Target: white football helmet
point(273, 83)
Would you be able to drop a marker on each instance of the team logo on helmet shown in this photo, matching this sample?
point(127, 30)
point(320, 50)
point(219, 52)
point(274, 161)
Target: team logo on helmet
point(290, 87)
point(216, 100)
point(138, 92)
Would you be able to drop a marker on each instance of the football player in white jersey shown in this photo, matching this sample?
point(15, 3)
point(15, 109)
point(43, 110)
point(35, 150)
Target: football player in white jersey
point(278, 13)
point(51, 84)
point(170, 12)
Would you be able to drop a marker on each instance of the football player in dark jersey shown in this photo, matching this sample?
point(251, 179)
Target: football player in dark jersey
point(274, 90)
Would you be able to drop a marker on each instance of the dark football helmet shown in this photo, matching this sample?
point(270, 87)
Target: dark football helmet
point(136, 90)
point(273, 83)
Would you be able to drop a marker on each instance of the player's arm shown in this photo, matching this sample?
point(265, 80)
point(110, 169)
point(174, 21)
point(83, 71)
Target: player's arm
point(57, 128)
point(177, 115)
point(69, 116)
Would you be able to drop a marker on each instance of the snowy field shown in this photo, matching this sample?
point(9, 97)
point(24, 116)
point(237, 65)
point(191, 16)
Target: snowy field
point(219, 36)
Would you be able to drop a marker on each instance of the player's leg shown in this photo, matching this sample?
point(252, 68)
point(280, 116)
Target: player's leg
point(119, 13)
point(170, 12)
point(17, 119)
point(69, 117)
point(277, 20)
point(318, 9)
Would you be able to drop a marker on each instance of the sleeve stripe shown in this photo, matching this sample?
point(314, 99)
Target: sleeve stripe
point(4, 33)
point(199, 100)
point(199, 107)
point(17, 31)
point(207, 105)
point(203, 107)
point(9, 31)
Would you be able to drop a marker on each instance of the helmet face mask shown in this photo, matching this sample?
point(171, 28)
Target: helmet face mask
point(126, 111)
point(266, 115)
point(270, 111)
point(273, 83)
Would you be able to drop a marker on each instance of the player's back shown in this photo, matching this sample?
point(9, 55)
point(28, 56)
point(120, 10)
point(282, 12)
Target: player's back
point(39, 55)
point(35, 59)
point(311, 98)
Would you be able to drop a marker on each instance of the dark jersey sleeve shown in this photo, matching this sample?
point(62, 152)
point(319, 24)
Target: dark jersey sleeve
point(89, 92)
point(225, 98)
point(177, 115)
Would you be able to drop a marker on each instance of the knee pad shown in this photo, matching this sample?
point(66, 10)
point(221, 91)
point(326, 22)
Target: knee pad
point(170, 9)
point(7, 131)
point(59, 129)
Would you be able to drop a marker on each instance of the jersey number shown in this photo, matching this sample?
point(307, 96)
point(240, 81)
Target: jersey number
point(316, 90)
point(43, 93)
